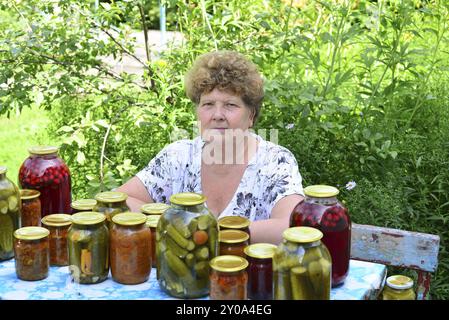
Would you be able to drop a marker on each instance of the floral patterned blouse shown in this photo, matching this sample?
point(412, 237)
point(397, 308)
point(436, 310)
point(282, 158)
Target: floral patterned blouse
point(271, 174)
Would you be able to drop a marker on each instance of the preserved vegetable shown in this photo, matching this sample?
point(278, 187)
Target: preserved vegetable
point(58, 225)
point(31, 208)
point(233, 242)
point(398, 287)
point(110, 203)
point(228, 278)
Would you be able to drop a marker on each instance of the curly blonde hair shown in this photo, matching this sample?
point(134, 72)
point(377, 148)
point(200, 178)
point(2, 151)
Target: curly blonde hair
point(227, 71)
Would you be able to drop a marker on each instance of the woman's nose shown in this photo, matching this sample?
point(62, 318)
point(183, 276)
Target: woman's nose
point(218, 114)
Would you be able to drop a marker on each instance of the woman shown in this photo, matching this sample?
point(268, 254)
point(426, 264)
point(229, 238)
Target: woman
point(238, 171)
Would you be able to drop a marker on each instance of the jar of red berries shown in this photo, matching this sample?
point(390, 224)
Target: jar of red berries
point(321, 209)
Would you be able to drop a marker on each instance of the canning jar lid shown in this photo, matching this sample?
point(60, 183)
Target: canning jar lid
point(57, 220)
point(260, 250)
point(302, 234)
point(228, 263)
point(129, 218)
point(234, 222)
point(111, 196)
point(31, 233)
point(321, 191)
point(28, 194)
point(84, 204)
point(187, 199)
point(43, 150)
point(399, 282)
point(232, 236)
point(3, 169)
point(88, 218)
point(154, 208)
point(152, 220)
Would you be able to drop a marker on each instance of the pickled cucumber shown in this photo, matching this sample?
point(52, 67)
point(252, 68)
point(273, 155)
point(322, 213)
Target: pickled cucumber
point(181, 227)
point(299, 280)
point(204, 222)
point(201, 253)
point(202, 269)
point(177, 237)
point(3, 206)
point(190, 259)
point(13, 203)
point(281, 286)
point(177, 250)
point(6, 234)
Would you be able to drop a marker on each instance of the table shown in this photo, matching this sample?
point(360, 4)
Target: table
point(365, 280)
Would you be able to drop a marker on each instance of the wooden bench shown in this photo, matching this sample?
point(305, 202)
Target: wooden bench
point(398, 248)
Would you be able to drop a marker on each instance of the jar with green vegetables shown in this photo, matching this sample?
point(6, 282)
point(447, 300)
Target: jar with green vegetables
point(398, 287)
point(110, 203)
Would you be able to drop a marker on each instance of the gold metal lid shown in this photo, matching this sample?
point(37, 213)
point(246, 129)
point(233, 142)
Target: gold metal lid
point(260, 250)
point(57, 220)
point(111, 196)
point(43, 150)
point(154, 208)
point(88, 218)
point(228, 263)
point(31, 233)
point(399, 282)
point(28, 194)
point(129, 218)
point(234, 222)
point(321, 191)
point(302, 234)
point(232, 236)
point(153, 220)
point(3, 169)
point(84, 204)
point(187, 199)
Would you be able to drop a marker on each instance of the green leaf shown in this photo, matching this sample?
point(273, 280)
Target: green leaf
point(65, 129)
point(80, 157)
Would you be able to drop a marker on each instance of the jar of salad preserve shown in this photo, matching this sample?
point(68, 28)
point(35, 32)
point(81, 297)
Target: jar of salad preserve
point(233, 242)
point(130, 247)
point(235, 223)
point(45, 172)
point(186, 240)
point(83, 205)
point(302, 266)
point(154, 208)
point(152, 221)
point(110, 203)
point(398, 287)
point(32, 253)
point(10, 220)
point(321, 209)
point(228, 278)
point(31, 208)
point(260, 270)
point(88, 240)
point(58, 225)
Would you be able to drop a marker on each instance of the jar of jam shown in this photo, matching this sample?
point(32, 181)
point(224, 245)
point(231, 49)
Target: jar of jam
point(88, 240)
point(154, 208)
point(10, 220)
point(151, 223)
point(83, 205)
point(31, 208)
point(302, 266)
point(45, 172)
point(260, 270)
point(321, 209)
point(58, 225)
point(32, 253)
point(398, 287)
point(228, 278)
point(186, 240)
point(130, 248)
point(110, 203)
point(235, 223)
point(233, 242)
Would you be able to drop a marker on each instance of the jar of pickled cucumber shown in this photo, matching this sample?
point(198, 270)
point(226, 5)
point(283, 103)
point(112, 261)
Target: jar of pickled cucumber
point(10, 211)
point(152, 221)
point(321, 209)
point(110, 203)
point(88, 240)
point(235, 223)
point(130, 248)
point(398, 287)
point(302, 266)
point(228, 278)
point(31, 208)
point(83, 205)
point(154, 208)
point(232, 242)
point(58, 225)
point(186, 240)
point(45, 172)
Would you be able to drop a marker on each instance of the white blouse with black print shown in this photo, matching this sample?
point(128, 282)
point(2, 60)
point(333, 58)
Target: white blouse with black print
point(271, 174)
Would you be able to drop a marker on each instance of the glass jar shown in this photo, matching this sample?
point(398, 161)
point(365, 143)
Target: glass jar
point(58, 225)
point(302, 266)
point(110, 203)
point(151, 223)
point(32, 253)
point(154, 208)
point(235, 223)
point(31, 208)
point(130, 250)
point(88, 240)
point(228, 278)
point(233, 242)
point(83, 205)
point(45, 172)
point(321, 209)
point(260, 270)
point(186, 240)
point(10, 220)
point(398, 287)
